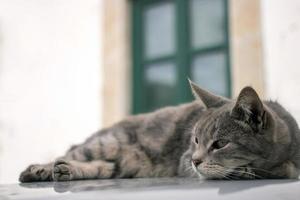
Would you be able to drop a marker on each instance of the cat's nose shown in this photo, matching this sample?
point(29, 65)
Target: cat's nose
point(196, 162)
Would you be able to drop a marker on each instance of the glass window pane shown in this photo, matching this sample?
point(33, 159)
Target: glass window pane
point(159, 23)
point(160, 81)
point(207, 22)
point(210, 72)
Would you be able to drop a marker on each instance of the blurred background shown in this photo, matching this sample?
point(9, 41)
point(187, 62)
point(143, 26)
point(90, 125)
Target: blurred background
point(70, 67)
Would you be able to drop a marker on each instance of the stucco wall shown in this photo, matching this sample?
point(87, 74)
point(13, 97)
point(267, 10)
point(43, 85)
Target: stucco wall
point(50, 79)
point(281, 36)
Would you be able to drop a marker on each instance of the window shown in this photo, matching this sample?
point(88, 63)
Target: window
point(173, 40)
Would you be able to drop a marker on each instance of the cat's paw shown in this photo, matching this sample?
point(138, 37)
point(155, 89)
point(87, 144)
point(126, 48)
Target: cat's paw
point(35, 173)
point(62, 170)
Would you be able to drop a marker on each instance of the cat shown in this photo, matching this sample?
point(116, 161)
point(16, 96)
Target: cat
point(212, 137)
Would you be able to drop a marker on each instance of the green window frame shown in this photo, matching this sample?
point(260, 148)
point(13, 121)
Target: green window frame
point(182, 57)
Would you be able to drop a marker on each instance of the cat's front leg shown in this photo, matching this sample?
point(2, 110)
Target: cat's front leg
point(64, 170)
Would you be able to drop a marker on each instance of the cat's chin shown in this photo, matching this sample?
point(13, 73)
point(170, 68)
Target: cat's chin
point(210, 175)
point(238, 173)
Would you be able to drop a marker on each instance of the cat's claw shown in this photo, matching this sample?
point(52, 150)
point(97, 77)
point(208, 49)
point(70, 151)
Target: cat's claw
point(62, 170)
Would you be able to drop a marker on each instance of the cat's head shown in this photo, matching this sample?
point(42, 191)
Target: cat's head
point(232, 137)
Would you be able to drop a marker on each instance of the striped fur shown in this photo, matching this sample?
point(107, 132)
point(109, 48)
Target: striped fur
point(146, 145)
point(263, 141)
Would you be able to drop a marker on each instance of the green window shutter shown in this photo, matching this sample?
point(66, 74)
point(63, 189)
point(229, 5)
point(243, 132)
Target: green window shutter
point(173, 40)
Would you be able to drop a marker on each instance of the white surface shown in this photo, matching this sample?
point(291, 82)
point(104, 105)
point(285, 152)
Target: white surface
point(146, 189)
point(50, 79)
point(281, 36)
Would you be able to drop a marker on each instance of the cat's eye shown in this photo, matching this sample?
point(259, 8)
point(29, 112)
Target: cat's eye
point(219, 144)
point(196, 140)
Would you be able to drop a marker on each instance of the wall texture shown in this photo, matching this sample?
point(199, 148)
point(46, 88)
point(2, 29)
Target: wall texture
point(281, 37)
point(50, 79)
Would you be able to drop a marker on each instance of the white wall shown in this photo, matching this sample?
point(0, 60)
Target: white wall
point(50, 79)
point(281, 31)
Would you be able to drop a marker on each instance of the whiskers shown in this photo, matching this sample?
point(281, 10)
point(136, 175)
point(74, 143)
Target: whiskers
point(227, 173)
point(254, 169)
point(190, 170)
point(244, 173)
point(222, 174)
point(214, 173)
point(247, 172)
point(235, 173)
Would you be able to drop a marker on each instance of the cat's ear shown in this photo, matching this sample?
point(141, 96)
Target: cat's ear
point(210, 100)
point(250, 109)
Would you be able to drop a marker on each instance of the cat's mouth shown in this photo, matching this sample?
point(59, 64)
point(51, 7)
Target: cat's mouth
point(215, 171)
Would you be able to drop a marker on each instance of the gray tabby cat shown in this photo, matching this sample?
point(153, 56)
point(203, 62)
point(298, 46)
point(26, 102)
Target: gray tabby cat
point(213, 137)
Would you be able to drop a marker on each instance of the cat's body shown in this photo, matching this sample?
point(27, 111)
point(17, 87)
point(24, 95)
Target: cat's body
point(173, 140)
point(146, 145)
